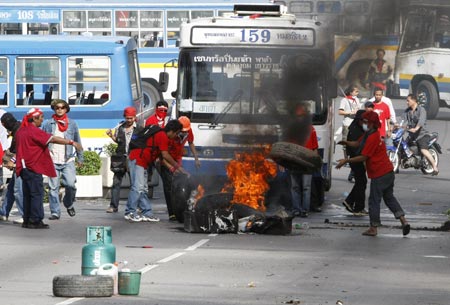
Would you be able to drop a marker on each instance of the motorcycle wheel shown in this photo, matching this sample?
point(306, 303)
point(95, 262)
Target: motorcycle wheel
point(427, 169)
point(395, 160)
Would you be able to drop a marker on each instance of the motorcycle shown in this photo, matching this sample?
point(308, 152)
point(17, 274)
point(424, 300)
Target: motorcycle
point(405, 155)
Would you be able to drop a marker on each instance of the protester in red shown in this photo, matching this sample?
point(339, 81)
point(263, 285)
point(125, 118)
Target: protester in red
point(160, 116)
point(139, 160)
point(379, 170)
point(176, 150)
point(33, 161)
point(384, 114)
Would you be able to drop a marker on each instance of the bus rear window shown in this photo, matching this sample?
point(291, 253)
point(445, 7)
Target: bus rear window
point(88, 79)
point(37, 80)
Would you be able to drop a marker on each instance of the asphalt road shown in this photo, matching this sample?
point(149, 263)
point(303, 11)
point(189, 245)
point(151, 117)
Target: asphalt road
point(328, 262)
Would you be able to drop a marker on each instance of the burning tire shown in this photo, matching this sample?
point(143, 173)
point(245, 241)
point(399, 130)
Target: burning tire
point(83, 286)
point(295, 157)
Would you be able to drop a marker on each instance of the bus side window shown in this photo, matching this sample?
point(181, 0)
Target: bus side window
point(5, 99)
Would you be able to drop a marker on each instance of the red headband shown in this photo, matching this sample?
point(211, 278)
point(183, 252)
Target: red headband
point(31, 113)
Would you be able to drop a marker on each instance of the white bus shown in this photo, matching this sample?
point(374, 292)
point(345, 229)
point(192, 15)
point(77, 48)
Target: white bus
point(424, 55)
point(238, 75)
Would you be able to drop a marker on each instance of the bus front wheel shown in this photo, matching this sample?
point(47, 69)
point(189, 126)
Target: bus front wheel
point(151, 94)
point(428, 96)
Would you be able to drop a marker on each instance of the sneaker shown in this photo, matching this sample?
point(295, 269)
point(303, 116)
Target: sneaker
point(112, 210)
point(134, 218)
point(150, 218)
point(172, 218)
point(361, 213)
point(3, 218)
point(54, 217)
point(37, 225)
point(347, 206)
point(18, 221)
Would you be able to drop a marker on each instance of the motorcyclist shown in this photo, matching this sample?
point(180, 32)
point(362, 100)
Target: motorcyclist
point(415, 117)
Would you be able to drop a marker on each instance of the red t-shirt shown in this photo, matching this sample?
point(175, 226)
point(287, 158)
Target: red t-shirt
point(32, 150)
point(148, 155)
point(382, 109)
point(153, 120)
point(378, 163)
point(176, 145)
point(312, 142)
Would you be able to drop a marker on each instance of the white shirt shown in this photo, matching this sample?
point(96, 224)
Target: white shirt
point(349, 105)
point(388, 102)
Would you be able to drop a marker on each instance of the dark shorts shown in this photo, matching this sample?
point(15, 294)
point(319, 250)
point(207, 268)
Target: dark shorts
point(422, 143)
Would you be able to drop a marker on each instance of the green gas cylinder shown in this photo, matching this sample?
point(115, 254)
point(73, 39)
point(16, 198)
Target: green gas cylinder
point(99, 249)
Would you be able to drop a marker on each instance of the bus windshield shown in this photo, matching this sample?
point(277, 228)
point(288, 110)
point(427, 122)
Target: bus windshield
point(249, 85)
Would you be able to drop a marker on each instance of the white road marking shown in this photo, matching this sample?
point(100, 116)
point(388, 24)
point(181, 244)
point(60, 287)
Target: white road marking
point(435, 256)
point(70, 301)
point(148, 268)
point(196, 245)
point(171, 257)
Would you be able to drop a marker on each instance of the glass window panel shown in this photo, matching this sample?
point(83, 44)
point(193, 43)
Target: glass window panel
point(74, 19)
point(357, 8)
point(175, 18)
point(152, 40)
point(329, 7)
point(37, 80)
point(99, 19)
point(151, 19)
point(202, 14)
point(3, 81)
point(89, 78)
point(127, 19)
point(301, 7)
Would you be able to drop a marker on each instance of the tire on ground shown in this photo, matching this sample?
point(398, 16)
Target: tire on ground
point(83, 286)
point(295, 157)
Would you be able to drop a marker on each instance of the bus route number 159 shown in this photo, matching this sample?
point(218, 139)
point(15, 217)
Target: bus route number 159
point(255, 36)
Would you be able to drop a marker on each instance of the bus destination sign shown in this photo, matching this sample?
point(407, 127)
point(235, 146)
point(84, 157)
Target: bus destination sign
point(253, 36)
point(31, 15)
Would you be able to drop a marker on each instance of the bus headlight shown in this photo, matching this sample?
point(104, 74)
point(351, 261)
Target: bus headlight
point(208, 152)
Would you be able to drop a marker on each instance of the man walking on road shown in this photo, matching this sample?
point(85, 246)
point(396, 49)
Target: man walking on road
point(63, 157)
point(33, 161)
point(380, 171)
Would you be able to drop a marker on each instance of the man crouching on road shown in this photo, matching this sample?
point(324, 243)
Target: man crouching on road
point(33, 161)
point(372, 150)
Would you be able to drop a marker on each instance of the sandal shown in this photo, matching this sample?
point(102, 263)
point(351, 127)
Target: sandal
point(406, 228)
point(370, 232)
point(435, 173)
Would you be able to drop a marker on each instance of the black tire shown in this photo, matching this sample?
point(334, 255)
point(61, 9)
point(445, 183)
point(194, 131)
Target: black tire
point(83, 286)
point(426, 93)
point(295, 157)
point(151, 94)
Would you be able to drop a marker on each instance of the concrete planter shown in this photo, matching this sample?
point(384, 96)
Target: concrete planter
point(89, 186)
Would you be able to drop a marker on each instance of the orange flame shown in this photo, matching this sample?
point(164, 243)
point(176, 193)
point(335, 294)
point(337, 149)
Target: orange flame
point(248, 175)
point(200, 192)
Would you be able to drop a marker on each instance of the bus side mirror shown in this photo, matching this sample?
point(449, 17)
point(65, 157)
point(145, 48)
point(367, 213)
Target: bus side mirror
point(163, 81)
point(332, 88)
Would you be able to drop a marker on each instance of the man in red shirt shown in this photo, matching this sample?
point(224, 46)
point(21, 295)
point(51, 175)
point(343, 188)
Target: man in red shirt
point(160, 116)
point(33, 161)
point(139, 161)
point(379, 170)
point(176, 150)
point(384, 114)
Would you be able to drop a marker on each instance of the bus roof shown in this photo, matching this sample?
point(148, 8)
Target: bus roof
point(121, 3)
point(61, 44)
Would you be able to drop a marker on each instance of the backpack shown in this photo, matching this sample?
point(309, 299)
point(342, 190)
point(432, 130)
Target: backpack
point(139, 138)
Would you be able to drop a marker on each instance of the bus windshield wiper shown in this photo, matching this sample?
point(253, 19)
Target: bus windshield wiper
point(236, 97)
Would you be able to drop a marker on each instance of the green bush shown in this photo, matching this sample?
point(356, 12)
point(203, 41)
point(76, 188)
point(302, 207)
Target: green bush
point(110, 149)
point(91, 164)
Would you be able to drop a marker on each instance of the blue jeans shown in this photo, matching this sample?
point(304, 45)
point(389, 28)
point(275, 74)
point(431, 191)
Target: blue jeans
point(67, 174)
point(13, 193)
point(383, 187)
point(301, 192)
point(138, 195)
point(33, 196)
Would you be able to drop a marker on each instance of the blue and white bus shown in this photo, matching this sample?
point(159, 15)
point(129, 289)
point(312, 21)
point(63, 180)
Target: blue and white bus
point(154, 24)
point(240, 75)
point(98, 76)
